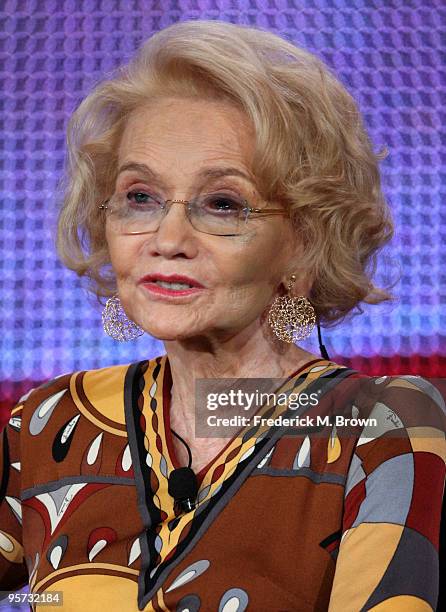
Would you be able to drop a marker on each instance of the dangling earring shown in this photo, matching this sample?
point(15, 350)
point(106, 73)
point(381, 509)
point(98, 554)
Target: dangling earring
point(292, 318)
point(116, 323)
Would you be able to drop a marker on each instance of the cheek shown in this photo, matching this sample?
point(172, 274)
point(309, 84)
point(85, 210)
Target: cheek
point(245, 286)
point(240, 298)
point(256, 259)
point(122, 256)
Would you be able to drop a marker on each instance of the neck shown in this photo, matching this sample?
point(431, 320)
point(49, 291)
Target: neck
point(247, 354)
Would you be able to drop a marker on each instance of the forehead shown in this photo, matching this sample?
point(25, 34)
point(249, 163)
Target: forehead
point(188, 131)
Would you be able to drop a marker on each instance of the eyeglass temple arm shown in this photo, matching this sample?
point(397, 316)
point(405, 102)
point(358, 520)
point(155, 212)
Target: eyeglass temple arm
point(269, 211)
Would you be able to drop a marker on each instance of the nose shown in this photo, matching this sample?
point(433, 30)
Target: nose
point(176, 213)
point(175, 234)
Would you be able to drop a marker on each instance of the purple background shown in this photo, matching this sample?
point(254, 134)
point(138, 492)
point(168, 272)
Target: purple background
point(389, 54)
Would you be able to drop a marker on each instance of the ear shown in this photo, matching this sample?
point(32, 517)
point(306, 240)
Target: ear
point(304, 277)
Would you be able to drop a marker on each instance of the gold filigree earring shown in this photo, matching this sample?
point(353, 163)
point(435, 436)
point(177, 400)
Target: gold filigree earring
point(292, 318)
point(116, 323)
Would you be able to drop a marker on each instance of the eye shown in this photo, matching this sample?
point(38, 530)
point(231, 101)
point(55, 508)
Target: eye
point(222, 204)
point(142, 199)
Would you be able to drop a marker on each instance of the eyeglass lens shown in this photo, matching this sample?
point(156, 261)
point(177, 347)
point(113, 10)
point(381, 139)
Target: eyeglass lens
point(213, 213)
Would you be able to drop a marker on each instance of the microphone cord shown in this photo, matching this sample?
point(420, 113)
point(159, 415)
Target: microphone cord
point(321, 346)
point(185, 444)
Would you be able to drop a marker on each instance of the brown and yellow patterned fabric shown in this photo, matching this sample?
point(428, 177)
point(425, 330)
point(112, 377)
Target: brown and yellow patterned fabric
point(332, 520)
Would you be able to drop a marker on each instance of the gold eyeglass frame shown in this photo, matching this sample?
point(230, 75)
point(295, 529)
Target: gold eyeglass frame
point(250, 209)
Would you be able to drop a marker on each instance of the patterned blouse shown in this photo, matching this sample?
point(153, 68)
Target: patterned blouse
point(340, 518)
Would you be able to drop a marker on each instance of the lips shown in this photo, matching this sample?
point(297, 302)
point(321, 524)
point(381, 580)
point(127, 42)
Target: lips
point(172, 278)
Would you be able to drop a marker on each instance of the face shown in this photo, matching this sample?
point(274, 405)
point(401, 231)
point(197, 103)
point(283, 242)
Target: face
point(238, 276)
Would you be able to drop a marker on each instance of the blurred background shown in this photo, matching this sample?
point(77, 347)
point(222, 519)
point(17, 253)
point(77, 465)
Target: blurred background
point(388, 53)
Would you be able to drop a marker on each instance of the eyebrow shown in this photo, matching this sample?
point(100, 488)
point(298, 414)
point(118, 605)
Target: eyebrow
point(205, 173)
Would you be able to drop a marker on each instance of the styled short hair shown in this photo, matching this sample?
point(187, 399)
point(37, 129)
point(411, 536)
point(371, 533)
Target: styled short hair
point(312, 152)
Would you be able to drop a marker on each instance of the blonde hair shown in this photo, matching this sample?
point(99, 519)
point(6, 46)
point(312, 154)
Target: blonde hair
point(312, 152)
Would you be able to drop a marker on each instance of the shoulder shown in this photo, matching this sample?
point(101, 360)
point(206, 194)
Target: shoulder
point(405, 424)
point(408, 402)
point(98, 394)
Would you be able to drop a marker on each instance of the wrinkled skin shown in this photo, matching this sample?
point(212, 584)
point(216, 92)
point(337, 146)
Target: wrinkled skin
point(222, 331)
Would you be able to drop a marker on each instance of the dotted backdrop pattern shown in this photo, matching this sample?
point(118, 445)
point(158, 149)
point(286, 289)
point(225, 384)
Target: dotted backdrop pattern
point(390, 55)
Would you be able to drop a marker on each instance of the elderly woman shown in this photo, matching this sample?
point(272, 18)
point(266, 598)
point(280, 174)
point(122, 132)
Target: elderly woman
point(223, 194)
